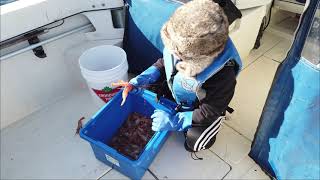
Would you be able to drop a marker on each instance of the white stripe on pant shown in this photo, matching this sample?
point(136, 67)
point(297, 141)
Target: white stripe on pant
point(208, 134)
point(206, 142)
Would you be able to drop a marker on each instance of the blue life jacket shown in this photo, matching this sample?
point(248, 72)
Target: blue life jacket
point(186, 90)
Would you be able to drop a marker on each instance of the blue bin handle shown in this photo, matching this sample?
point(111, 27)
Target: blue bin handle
point(171, 106)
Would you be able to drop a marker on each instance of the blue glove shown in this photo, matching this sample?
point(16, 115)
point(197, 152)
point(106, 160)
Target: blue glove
point(162, 121)
point(148, 76)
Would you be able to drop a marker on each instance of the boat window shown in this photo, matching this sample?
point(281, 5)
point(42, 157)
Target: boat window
point(3, 2)
point(311, 49)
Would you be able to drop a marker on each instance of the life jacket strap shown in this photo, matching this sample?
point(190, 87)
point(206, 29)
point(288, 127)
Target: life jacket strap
point(230, 110)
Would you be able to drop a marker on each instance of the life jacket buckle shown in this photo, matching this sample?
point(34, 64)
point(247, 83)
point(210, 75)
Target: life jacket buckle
point(178, 108)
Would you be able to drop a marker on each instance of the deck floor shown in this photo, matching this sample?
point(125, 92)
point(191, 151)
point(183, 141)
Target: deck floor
point(44, 144)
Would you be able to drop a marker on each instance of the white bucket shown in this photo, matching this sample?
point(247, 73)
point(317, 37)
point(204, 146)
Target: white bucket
point(100, 66)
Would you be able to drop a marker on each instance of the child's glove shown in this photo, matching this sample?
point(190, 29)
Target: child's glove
point(162, 121)
point(147, 77)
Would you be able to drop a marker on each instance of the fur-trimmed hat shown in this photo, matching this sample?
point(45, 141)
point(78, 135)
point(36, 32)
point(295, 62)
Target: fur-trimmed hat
point(197, 32)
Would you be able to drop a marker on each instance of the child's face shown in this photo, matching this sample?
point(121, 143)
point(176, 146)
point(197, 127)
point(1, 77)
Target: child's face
point(183, 67)
point(176, 57)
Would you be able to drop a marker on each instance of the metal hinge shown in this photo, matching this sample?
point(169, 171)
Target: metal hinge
point(38, 51)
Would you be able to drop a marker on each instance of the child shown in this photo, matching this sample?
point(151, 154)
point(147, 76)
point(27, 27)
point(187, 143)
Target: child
point(200, 64)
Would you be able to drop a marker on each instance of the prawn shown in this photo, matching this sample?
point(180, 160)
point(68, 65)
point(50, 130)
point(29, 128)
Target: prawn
point(79, 126)
point(127, 88)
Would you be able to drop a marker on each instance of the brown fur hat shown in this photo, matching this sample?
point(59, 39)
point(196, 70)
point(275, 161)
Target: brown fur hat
point(197, 32)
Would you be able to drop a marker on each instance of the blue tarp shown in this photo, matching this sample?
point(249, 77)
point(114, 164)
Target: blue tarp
point(294, 153)
point(142, 41)
point(286, 143)
point(3, 2)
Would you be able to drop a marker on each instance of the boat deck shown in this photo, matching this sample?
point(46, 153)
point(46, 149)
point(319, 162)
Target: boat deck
point(44, 144)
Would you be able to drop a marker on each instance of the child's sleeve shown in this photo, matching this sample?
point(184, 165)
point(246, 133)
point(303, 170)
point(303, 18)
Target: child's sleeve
point(219, 92)
point(150, 75)
point(160, 65)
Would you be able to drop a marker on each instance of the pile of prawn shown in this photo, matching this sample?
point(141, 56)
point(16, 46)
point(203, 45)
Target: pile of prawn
point(133, 136)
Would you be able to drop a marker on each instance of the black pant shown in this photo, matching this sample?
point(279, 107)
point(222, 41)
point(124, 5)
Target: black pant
point(202, 137)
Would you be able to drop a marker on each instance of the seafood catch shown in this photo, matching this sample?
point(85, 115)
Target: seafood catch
point(127, 88)
point(133, 136)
